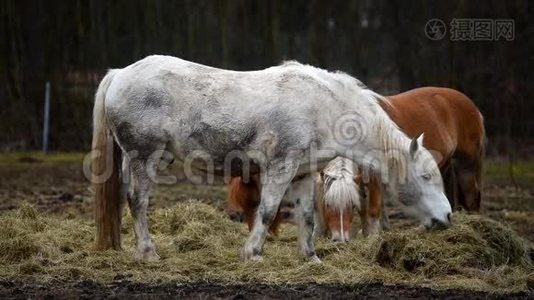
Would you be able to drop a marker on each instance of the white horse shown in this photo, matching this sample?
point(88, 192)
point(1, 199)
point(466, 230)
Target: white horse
point(281, 122)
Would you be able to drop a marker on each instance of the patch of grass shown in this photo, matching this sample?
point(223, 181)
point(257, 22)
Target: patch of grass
point(33, 157)
point(498, 172)
point(198, 242)
point(474, 242)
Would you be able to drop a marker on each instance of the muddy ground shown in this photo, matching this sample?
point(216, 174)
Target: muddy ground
point(201, 290)
point(59, 187)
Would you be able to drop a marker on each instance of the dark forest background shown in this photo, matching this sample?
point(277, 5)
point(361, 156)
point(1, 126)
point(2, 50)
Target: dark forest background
point(71, 43)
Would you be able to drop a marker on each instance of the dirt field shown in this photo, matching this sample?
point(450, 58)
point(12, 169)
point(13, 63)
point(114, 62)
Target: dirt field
point(200, 290)
point(55, 185)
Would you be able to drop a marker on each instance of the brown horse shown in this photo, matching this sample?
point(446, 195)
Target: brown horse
point(453, 131)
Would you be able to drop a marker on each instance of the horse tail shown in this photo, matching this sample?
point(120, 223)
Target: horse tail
point(479, 168)
point(106, 165)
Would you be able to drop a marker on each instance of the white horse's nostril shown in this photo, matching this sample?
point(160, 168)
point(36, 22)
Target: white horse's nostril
point(449, 217)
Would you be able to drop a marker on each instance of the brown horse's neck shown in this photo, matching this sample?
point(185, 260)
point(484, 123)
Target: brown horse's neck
point(387, 106)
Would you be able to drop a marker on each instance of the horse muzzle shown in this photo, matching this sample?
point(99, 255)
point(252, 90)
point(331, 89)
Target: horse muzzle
point(441, 224)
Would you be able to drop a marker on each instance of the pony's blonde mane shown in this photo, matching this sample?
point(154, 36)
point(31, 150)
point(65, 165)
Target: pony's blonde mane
point(339, 189)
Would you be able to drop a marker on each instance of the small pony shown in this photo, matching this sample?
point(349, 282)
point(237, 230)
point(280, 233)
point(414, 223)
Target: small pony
point(337, 196)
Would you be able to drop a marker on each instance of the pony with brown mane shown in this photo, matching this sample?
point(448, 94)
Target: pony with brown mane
point(454, 133)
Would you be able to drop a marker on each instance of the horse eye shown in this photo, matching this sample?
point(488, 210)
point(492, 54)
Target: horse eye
point(426, 176)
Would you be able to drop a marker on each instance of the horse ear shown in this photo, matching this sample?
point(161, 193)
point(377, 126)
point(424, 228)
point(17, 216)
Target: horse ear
point(420, 139)
point(414, 145)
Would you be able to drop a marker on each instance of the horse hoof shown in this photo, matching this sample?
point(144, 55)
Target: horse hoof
point(251, 255)
point(253, 258)
point(315, 259)
point(153, 258)
point(256, 258)
point(421, 228)
point(148, 255)
point(373, 231)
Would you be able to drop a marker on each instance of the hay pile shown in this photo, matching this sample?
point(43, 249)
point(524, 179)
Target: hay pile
point(198, 242)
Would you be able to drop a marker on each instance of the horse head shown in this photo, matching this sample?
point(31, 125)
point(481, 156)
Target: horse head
point(421, 192)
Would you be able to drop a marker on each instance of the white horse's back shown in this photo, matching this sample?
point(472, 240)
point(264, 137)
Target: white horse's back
point(190, 107)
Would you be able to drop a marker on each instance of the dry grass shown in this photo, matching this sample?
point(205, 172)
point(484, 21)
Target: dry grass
point(198, 242)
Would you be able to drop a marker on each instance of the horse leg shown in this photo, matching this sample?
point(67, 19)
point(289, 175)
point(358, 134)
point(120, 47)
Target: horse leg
point(275, 182)
point(247, 198)
point(125, 192)
point(364, 212)
point(469, 181)
point(450, 183)
point(275, 225)
point(249, 216)
point(138, 202)
point(303, 191)
point(384, 218)
point(375, 204)
point(478, 184)
point(319, 228)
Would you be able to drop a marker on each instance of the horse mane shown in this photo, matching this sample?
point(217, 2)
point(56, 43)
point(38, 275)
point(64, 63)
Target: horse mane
point(339, 189)
point(288, 63)
point(344, 80)
point(391, 141)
